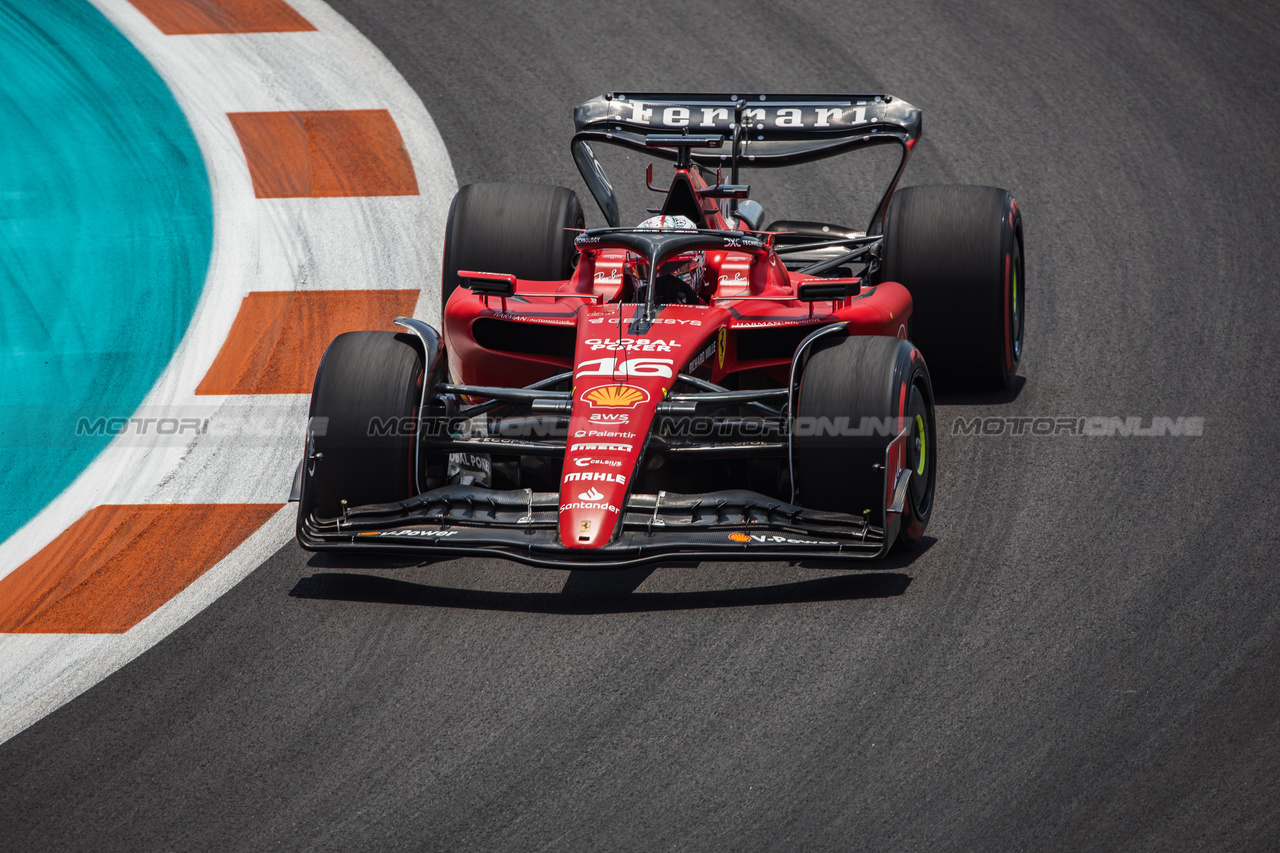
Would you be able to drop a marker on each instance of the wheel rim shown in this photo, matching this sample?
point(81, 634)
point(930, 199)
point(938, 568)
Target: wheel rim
point(919, 448)
point(1017, 289)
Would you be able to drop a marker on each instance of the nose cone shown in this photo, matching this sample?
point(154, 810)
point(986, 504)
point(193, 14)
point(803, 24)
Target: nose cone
point(620, 376)
point(598, 465)
point(587, 519)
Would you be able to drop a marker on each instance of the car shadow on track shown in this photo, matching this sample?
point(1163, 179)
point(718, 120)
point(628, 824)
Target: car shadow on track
point(595, 592)
point(600, 598)
point(982, 398)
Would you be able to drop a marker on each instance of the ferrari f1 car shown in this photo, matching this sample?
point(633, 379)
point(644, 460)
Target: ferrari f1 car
point(700, 386)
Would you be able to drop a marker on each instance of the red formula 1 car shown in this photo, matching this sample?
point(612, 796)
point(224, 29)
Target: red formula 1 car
point(700, 386)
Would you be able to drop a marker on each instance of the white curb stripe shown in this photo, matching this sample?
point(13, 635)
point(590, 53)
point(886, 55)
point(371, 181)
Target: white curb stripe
point(275, 244)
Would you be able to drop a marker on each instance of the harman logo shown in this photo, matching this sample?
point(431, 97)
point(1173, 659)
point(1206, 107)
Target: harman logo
point(616, 396)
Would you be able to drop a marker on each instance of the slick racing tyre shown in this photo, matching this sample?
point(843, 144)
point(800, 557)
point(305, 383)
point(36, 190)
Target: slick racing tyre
point(854, 398)
point(518, 229)
point(958, 249)
point(361, 429)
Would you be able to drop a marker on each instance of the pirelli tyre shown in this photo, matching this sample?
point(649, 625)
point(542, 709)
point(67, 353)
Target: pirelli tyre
point(361, 430)
point(854, 399)
point(958, 249)
point(518, 229)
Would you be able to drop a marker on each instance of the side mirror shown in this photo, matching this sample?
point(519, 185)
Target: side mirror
point(489, 283)
point(827, 291)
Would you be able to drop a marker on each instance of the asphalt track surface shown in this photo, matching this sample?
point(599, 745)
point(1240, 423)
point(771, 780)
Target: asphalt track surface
point(1084, 656)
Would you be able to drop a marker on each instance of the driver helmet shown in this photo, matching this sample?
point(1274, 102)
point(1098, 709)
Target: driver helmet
point(681, 279)
point(667, 223)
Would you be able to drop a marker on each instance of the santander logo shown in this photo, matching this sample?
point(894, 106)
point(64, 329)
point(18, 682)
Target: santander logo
point(591, 495)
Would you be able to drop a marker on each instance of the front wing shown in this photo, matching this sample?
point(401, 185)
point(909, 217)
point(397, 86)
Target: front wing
point(522, 525)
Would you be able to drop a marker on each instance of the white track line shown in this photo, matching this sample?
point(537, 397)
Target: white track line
point(251, 449)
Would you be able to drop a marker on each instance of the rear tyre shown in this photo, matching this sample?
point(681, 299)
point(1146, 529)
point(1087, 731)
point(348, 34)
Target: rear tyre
point(875, 386)
point(518, 229)
point(958, 249)
point(361, 430)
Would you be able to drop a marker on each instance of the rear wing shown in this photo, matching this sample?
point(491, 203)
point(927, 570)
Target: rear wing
point(756, 131)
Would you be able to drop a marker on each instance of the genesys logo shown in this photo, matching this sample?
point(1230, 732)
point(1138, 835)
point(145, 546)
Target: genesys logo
point(615, 396)
point(590, 461)
point(595, 476)
point(660, 321)
point(600, 446)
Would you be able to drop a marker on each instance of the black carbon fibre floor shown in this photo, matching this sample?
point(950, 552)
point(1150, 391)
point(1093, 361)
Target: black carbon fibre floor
point(1084, 656)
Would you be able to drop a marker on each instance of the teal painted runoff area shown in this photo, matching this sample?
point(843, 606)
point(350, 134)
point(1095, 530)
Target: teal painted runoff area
point(106, 225)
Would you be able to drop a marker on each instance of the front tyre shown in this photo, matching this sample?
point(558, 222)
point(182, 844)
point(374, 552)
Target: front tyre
point(362, 427)
point(854, 399)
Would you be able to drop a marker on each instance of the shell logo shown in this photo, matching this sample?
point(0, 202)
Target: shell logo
point(739, 537)
point(616, 396)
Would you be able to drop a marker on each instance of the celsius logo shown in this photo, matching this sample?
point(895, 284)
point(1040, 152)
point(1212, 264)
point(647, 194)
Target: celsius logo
point(587, 462)
point(591, 495)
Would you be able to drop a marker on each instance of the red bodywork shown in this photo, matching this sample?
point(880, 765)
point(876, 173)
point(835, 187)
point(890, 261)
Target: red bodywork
point(618, 378)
